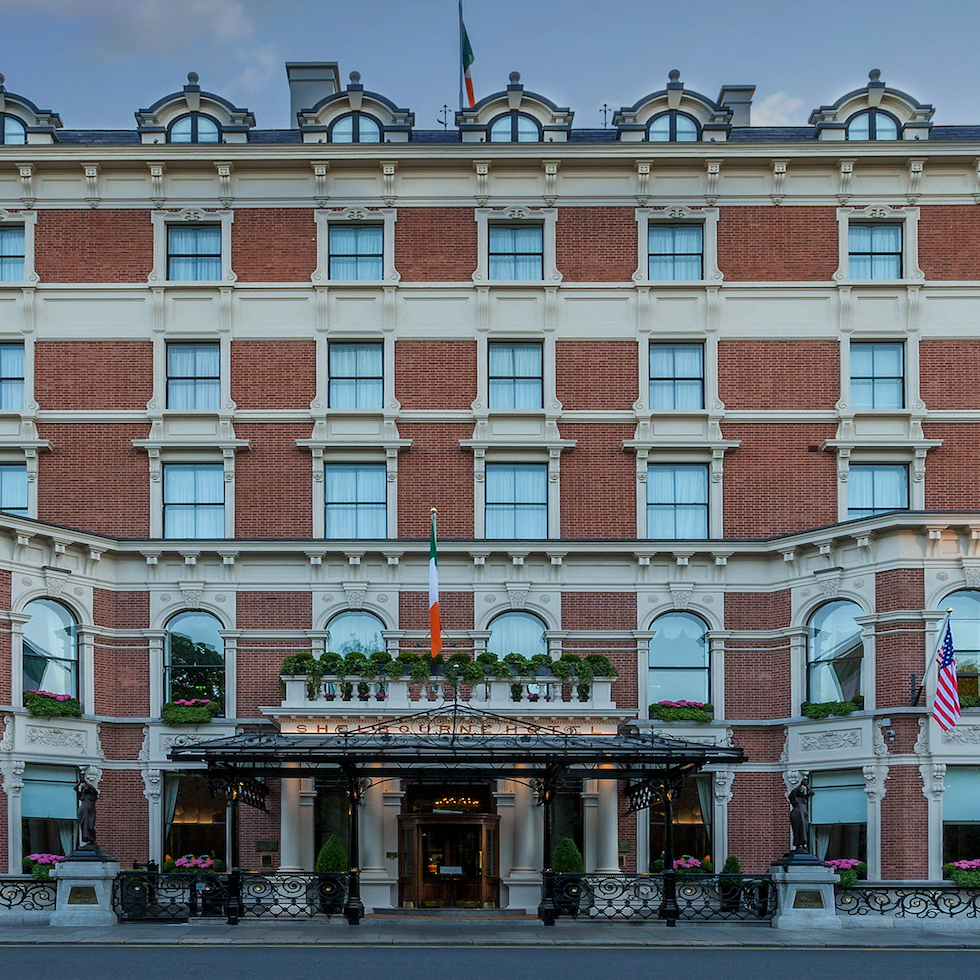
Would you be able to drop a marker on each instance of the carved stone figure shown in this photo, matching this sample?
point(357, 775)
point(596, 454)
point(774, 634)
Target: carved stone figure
point(799, 813)
point(87, 795)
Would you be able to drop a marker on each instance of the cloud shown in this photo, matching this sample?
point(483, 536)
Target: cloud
point(264, 65)
point(778, 109)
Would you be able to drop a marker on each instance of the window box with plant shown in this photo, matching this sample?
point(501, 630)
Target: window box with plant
point(699, 711)
point(39, 866)
point(44, 704)
point(850, 870)
point(824, 709)
point(966, 874)
point(193, 711)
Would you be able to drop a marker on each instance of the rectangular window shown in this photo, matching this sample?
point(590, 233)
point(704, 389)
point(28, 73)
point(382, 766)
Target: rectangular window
point(961, 813)
point(193, 500)
point(11, 377)
point(194, 376)
point(838, 815)
point(13, 489)
point(677, 501)
point(356, 251)
point(356, 375)
point(516, 372)
point(876, 489)
point(194, 253)
point(12, 253)
point(516, 252)
point(875, 251)
point(517, 500)
point(356, 500)
point(48, 809)
point(676, 377)
point(877, 376)
point(676, 251)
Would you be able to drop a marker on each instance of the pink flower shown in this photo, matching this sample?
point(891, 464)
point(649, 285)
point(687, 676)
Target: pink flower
point(686, 862)
point(45, 858)
point(973, 865)
point(843, 864)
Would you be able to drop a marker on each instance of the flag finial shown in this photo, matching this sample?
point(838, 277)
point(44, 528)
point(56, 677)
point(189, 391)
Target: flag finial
point(949, 609)
point(432, 510)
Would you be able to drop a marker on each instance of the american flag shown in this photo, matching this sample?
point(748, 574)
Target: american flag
point(946, 706)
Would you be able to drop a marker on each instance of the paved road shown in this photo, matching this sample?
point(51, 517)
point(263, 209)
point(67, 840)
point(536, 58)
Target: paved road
point(474, 963)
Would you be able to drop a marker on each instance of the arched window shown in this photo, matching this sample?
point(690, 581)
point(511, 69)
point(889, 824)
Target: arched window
point(355, 127)
point(194, 659)
point(356, 632)
point(50, 648)
point(517, 632)
point(872, 125)
point(673, 127)
point(515, 127)
point(12, 130)
point(965, 622)
point(195, 127)
point(835, 649)
point(679, 659)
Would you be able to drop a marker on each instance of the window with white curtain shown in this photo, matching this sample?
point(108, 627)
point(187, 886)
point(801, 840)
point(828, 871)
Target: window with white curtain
point(676, 377)
point(356, 500)
point(194, 376)
point(676, 251)
point(50, 648)
point(356, 375)
point(961, 813)
point(834, 652)
point(876, 488)
point(194, 658)
point(517, 632)
point(13, 488)
point(839, 815)
point(356, 631)
point(874, 251)
point(11, 377)
point(49, 809)
point(356, 251)
point(678, 659)
point(516, 252)
point(12, 253)
point(677, 500)
point(877, 375)
point(193, 253)
point(517, 500)
point(193, 500)
point(516, 375)
point(872, 125)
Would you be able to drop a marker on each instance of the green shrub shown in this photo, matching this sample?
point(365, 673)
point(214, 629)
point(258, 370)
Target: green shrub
point(420, 671)
point(583, 691)
point(487, 658)
point(541, 660)
point(671, 712)
point(332, 857)
point(472, 672)
point(357, 665)
point(563, 669)
point(519, 664)
point(459, 658)
point(969, 701)
point(657, 866)
point(333, 663)
point(601, 665)
point(298, 664)
point(567, 858)
point(43, 705)
point(824, 709)
point(501, 671)
point(394, 669)
point(173, 713)
point(731, 866)
point(964, 877)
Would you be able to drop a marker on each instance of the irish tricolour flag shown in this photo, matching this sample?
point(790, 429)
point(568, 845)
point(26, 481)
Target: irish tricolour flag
point(435, 627)
point(466, 57)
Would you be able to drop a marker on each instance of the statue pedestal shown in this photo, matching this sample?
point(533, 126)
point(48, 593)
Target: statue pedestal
point(84, 898)
point(806, 893)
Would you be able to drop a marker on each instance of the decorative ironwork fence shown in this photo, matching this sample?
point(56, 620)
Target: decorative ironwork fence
point(701, 897)
point(141, 896)
point(909, 901)
point(27, 895)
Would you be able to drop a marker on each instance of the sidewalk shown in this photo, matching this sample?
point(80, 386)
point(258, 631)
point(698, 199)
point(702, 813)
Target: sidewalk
point(383, 931)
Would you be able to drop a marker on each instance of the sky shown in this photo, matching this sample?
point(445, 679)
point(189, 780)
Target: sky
point(99, 61)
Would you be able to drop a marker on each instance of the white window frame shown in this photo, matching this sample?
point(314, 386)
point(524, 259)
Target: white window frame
point(161, 220)
point(551, 458)
point(512, 342)
point(907, 217)
point(30, 479)
point(706, 217)
point(660, 342)
point(905, 346)
point(497, 461)
point(157, 405)
point(914, 459)
point(390, 488)
point(163, 456)
point(385, 373)
point(27, 220)
point(549, 393)
point(192, 463)
point(713, 457)
point(547, 218)
point(323, 219)
point(365, 457)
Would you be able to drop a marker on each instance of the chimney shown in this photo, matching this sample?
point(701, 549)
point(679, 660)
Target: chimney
point(309, 82)
point(738, 98)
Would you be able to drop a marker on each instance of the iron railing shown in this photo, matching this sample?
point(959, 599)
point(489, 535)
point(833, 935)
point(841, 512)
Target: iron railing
point(141, 896)
point(27, 894)
point(673, 897)
point(929, 900)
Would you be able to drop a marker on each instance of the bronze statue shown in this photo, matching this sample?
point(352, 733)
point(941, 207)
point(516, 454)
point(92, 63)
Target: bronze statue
point(799, 813)
point(87, 795)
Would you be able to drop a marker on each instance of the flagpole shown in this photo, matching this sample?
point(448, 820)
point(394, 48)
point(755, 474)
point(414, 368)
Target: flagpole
point(460, 54)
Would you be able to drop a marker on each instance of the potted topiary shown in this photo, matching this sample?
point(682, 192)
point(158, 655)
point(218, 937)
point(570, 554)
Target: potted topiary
point(328, 891)
point(730, 884)
point(572, 893)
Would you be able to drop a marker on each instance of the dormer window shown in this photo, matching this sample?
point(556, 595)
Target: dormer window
point(12, 130)
point(195, 127)
point(673, 127)
point(872, 125)
point(356, 127)
point(515, 127)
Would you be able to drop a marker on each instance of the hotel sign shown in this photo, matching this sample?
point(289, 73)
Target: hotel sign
point(459, 724)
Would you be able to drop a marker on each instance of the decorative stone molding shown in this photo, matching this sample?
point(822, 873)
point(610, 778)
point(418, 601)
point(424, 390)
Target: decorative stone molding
point(354, 591)
point(13, 778)
point(324, 218)
point(962, 735)
point(517, 594)
point(677, 214)
point(161, 219)
point(921, 746)
point(66, 738)
point(825, 741)
point(933, 780)
point(152, 785)
point(723, 780)
point(874, 781)
point(546, 217)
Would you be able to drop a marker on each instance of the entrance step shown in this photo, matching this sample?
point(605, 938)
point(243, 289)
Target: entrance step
point(454, 913)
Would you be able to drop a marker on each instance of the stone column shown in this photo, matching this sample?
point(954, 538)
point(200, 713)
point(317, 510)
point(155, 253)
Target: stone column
point(155, 640)
point(290, 822)
point(307, 806)
point(504, 796)
point(607, 843)
point(526, 858)
point(13, 783)
point(17, 621)
point(372, 829)
point(590, 820)
point(86, 669)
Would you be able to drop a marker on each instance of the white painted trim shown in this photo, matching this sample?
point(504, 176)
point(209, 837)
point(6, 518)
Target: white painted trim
point(27, 218)
point(161, 220)
point(678, 214)
point(907, 217)
point(324, 218)
point(546, 217)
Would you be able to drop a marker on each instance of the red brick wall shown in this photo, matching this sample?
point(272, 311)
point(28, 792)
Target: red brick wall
point(899, 588)
point(596, 244)
point(596, 375)
point(904, 826)
point(93, 479)
point(774, 484)
point(114, 374)
point(273, 374)
point(122, 665)
point(951, 469)
point(435, 374)
point(255, 825)
point(942, 360)
point(757, 672)
point(598, 611)
point(758, 818)
point(435, 244)
point(455, 610)
point(758, 610)
point(123, 816)
point(594, 507)
point(627, 831)
point(768, 375)
point(273, 244)
point(104, 245)
point(778, 244)
point(949, 241)
point(435, 472)
point(273, 482)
